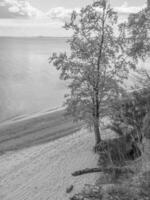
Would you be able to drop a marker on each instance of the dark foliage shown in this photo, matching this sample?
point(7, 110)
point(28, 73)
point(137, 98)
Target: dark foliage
point(128, 114)
point(130, 120)
point(117, 151)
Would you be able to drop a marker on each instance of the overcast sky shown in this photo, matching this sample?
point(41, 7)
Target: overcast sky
point(46, 17)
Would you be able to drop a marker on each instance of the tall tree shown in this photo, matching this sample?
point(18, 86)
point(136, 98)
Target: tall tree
point(97, 65)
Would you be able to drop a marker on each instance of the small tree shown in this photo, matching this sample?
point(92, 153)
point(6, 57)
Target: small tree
point(97, 65)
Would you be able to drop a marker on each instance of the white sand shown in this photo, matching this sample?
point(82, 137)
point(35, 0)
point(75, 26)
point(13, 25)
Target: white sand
point(44, 172)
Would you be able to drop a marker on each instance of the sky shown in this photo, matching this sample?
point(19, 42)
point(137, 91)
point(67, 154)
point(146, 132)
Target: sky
point(25, 18)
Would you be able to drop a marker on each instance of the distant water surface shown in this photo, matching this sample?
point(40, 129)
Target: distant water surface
point(28, 83)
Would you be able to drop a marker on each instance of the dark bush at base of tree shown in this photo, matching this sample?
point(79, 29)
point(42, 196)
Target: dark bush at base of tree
point(117, 151)
point(130, 119)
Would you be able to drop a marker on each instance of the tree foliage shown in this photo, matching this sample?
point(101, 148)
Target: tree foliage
point(128, 114)
point(142, 78)
point(97, 65)
point(138, 29)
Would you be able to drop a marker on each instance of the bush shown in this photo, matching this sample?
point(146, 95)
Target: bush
point(117, 151)
point(130, 120)
point(130, 111)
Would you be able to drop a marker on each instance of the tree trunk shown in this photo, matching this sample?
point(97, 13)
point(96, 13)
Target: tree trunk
point(96, 118)
point(97, 131)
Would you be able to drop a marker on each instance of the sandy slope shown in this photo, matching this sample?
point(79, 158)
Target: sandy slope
point(44, 172)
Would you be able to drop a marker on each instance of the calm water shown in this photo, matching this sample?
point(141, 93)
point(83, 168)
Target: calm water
point(27, 82)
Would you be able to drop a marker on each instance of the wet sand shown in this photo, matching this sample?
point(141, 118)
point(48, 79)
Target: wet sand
point(27, 131)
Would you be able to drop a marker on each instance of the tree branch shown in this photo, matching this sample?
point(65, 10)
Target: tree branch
point(105, 170)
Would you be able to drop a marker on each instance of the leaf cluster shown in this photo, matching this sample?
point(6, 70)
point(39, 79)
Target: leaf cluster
point(138, 27)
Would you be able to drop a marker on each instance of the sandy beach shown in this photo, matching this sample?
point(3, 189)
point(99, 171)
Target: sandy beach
point(39, 153)
point(43, 171)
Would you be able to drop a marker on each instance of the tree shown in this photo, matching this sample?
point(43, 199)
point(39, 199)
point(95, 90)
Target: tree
point(97, 65)
point(138, 30)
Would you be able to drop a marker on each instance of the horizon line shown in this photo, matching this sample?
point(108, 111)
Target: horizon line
point(1, 36)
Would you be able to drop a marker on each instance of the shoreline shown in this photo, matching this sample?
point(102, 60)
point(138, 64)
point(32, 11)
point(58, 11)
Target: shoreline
point(30, 116)
point(37, 129)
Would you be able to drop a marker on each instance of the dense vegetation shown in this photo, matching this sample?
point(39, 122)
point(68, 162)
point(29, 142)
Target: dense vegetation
point(128, 113)
point(99, 63)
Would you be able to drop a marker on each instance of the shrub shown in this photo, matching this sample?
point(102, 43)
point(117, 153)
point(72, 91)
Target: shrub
point(118, 150)
point(128, 113)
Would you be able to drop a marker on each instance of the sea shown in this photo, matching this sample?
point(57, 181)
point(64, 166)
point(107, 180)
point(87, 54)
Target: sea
point(28, 83)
